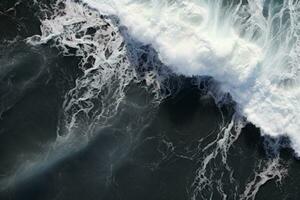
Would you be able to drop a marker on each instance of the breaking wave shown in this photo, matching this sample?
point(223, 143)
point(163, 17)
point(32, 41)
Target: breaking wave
point(251, 48)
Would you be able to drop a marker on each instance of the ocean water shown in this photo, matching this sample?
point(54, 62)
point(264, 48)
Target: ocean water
point(146, 99)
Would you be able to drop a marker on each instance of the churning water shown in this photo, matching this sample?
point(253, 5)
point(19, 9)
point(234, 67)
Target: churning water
point(163, 89)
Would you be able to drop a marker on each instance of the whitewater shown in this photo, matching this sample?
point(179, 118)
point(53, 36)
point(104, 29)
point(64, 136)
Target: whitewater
point(245, 54)
point(251, 48)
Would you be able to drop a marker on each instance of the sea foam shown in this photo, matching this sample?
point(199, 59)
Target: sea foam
point(251, 48)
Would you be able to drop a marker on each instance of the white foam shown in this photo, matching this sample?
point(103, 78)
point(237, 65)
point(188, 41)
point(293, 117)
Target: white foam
point(271, 170)
point(254, 53)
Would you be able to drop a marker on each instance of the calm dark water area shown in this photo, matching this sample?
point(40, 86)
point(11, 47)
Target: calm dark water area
point(150, 152)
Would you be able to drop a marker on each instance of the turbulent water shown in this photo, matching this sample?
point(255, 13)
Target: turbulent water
point(148, 99)
point(250, 48)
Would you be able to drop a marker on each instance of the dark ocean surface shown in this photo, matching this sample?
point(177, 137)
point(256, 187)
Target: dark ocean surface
point(147, 152)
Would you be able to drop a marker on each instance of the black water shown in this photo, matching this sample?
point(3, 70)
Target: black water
point(156, 158)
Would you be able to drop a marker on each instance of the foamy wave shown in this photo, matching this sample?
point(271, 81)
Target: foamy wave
point(252, 49)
